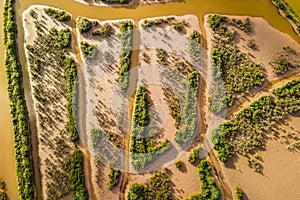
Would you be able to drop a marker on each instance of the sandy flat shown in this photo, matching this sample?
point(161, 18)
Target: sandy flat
point(279, 180)
point(47, 132)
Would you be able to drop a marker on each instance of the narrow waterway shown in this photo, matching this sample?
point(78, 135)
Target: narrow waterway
point(261, 8)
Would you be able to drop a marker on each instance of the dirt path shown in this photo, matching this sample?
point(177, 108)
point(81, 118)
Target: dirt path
point(81, 116)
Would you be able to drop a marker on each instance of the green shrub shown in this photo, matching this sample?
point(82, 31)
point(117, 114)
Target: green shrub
point(178, 26)
point(194, 155)
point(88, 51)
point(238, 193)
point(3, 195)
point(114, 177)
point(136, 192)
point(60, 15)
point(105, 31)
point(84, 25)
point(178, 164)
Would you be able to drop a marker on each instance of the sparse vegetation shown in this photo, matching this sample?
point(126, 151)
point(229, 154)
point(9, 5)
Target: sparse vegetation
point(281, 65)
point(173, 104)
point(244, 26)
point(246, 131)
point(234, 73)
point(88, 51)
point(209, 189)
point(84, 25)
point(125, 55)
point(60, 15)
point(18, 108)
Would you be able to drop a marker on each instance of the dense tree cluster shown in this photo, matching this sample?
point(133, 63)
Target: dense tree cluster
point(60, 15)
point(233, 72)
point(64, 38)
point(125, 55)
point(84, 25)
point(288, 12)
point(195, 47)
point(246, 131)
point(143, 149)
point(77, 175)
point(89, 51)
point(209, 189)
point(18, 108)
point(157, 187)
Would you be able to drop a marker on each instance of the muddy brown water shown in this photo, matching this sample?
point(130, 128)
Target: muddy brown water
point(261, 8)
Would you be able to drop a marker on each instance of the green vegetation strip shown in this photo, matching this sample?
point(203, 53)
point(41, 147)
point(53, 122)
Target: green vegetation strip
point(189, 116)
point(143, 150)
point(18, 108)
point(125, 55)
point(157, 187)
point(246, 131)
point(71, 77)
point(209, 189)
point(288, 12)
point(77, 175)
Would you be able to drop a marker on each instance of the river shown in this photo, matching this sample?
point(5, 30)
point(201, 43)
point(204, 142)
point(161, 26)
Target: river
point(261, 8)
